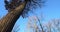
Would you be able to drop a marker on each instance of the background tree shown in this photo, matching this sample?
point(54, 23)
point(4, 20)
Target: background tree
point(52, 26)
point(35, 24)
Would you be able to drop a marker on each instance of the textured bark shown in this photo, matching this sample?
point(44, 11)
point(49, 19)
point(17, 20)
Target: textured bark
point(7, 23)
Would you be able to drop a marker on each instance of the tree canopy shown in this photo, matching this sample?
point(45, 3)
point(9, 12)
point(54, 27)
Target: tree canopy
point(31, 4)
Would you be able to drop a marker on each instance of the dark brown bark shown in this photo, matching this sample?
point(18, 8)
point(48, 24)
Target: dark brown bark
point(7, 23)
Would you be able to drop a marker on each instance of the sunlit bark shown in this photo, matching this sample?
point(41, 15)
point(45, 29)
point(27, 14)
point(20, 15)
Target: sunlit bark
point(7, 23)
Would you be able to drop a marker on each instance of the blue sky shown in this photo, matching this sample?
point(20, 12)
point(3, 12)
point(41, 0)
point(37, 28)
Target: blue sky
point(51, 10)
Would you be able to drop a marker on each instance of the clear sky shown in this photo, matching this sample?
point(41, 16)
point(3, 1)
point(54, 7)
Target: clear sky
point(50, 10)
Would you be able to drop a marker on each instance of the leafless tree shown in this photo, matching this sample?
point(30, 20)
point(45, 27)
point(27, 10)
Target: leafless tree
point(53, 26)
point(35, 24)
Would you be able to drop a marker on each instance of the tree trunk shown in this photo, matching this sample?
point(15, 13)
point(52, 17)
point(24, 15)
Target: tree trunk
point(7, 23)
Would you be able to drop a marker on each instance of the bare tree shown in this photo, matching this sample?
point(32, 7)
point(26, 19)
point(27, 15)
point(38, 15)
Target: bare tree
point(56, 23)
point(53, 26)
point(35, 24)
